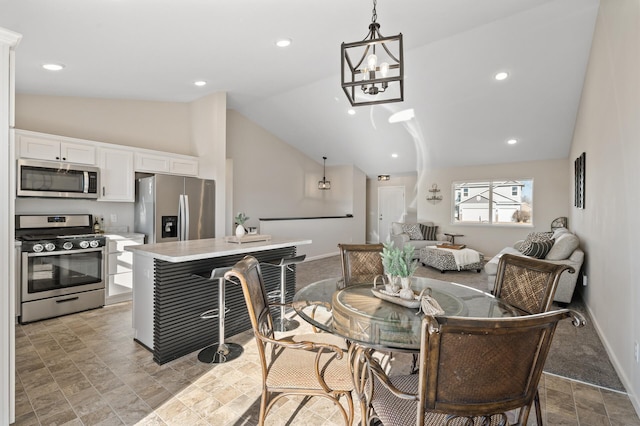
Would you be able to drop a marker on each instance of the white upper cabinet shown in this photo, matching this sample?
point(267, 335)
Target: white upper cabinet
point(117, 178)
point(188, 167)
point(53, 149)
point(166, 163)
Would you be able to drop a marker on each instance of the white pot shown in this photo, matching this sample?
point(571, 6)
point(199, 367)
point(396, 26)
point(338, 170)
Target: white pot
point(406, 292)
point(240, 231)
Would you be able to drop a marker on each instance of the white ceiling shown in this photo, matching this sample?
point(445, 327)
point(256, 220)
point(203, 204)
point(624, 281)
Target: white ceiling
point(156, 49)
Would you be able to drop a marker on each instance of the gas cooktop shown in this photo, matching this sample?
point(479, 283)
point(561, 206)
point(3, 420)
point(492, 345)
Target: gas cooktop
point(45, 233)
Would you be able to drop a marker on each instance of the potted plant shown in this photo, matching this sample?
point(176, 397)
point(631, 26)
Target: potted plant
point(398, 263)
point(240, 219)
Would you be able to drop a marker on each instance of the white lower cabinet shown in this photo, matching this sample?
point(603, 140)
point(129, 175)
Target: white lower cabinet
point(120, 267)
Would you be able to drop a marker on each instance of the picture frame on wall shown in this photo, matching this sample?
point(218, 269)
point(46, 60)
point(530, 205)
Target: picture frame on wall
point(579, 166)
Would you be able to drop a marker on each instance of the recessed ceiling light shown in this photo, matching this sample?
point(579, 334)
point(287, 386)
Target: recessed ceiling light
point(394, 155)
point(502, 75)
point(283, 42)
point(53, 67)
point(200, 83)
point(351, 111)
point(404, 115)
point(512, 141)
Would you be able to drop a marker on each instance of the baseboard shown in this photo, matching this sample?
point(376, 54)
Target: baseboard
point(635, 401)
point(322, 256)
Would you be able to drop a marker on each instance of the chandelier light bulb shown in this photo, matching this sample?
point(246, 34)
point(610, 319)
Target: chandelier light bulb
point(372, 61)
point(365, 74)
point(384, 69)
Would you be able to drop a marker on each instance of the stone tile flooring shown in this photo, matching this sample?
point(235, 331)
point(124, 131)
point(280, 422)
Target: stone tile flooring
point(85, 369)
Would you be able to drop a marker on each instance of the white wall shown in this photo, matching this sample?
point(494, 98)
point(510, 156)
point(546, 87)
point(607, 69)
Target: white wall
point(273, 179)
point(325, 234)
point(551, 199)
point(8, 42)
point(608, 131)
point(163, 126)
point(209, 138)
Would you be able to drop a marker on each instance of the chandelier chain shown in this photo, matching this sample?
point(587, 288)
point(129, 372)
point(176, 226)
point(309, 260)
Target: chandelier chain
point(374, 16)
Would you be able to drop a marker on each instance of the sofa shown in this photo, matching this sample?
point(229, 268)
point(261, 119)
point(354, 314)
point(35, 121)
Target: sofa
point(559, 247)
point(417, 234)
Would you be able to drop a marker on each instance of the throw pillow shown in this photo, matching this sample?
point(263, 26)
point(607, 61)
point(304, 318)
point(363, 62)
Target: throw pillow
point(413, 229)
point(396, 228)
point(564, 246)
point(429, 232)
point(558, 232)
point(539, 249)
point(534, 237)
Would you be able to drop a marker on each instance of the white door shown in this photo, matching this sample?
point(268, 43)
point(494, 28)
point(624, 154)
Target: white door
point(391, 208)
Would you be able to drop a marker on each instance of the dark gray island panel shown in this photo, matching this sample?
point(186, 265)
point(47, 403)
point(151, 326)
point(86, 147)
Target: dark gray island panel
point(182, 294)
point(172, 288)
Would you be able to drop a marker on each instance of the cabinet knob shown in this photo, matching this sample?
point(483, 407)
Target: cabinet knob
point(103, 191)
point(64, 158)
point(57, 158)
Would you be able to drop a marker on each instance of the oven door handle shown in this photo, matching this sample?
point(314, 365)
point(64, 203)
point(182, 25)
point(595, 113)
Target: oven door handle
point(62, 253)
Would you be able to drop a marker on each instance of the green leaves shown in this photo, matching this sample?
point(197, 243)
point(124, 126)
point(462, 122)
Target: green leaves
point(241, 218)
point(398, 262)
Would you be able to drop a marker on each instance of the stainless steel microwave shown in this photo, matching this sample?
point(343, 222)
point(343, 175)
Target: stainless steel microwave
point(59, 180)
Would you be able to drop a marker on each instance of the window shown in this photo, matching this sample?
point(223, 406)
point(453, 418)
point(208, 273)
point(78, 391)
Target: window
point(493, 202)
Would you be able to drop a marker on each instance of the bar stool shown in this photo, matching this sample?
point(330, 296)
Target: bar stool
point(219, 352)
point(284, 324)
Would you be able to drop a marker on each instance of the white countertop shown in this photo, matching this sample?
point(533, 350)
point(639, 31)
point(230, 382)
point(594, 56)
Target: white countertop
point(184, 251)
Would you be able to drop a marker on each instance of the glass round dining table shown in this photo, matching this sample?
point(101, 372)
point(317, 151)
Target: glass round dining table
point(360, 315)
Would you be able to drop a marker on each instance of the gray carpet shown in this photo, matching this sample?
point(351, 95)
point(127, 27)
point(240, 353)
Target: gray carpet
point(576, 353)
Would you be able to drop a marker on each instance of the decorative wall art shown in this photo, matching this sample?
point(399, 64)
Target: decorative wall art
point(579, 174)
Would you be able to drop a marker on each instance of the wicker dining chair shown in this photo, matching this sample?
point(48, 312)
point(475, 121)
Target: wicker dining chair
point(526, 283)
point(472, 371)
point(361, 263)
point(309, 364)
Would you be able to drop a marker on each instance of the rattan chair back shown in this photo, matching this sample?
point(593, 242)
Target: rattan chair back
point(526, 283)
point(310, 365)
point(469, 368)
point(361, 263)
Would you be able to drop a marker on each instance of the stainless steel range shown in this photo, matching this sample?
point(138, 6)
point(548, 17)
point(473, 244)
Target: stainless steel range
point(62, 265)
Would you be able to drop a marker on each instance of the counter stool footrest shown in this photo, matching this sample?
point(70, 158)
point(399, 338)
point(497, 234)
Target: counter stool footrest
point(213, 313)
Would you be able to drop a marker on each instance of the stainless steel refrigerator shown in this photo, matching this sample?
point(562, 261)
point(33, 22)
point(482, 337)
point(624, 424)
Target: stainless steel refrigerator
point(174, 208)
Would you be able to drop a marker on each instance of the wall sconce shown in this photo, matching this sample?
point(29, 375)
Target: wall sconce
point(382, 178)
point(324, 183)
point(433, 196)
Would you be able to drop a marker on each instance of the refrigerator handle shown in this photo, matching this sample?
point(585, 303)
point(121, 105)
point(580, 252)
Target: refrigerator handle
point(181, 217)
point(186, 218)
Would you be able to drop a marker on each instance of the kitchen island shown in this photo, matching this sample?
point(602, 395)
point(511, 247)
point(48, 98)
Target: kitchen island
point(171, 288)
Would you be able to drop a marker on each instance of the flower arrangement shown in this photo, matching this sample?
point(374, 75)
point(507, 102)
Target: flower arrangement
point(241, 218)
point(398, 262)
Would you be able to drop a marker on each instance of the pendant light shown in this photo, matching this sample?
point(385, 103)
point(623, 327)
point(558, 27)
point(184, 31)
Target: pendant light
point(373, 69)
point(324, 183)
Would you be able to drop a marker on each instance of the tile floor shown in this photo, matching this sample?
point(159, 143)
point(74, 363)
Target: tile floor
point(85, 369)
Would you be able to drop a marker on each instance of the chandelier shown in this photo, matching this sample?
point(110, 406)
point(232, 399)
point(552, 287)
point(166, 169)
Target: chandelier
point(324, 183)
point(373, 69)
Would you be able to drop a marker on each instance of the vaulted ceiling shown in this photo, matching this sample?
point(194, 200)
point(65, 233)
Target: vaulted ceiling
point(157, 49)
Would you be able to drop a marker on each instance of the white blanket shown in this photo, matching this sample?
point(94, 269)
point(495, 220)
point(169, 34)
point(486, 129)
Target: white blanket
point(464, 257)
